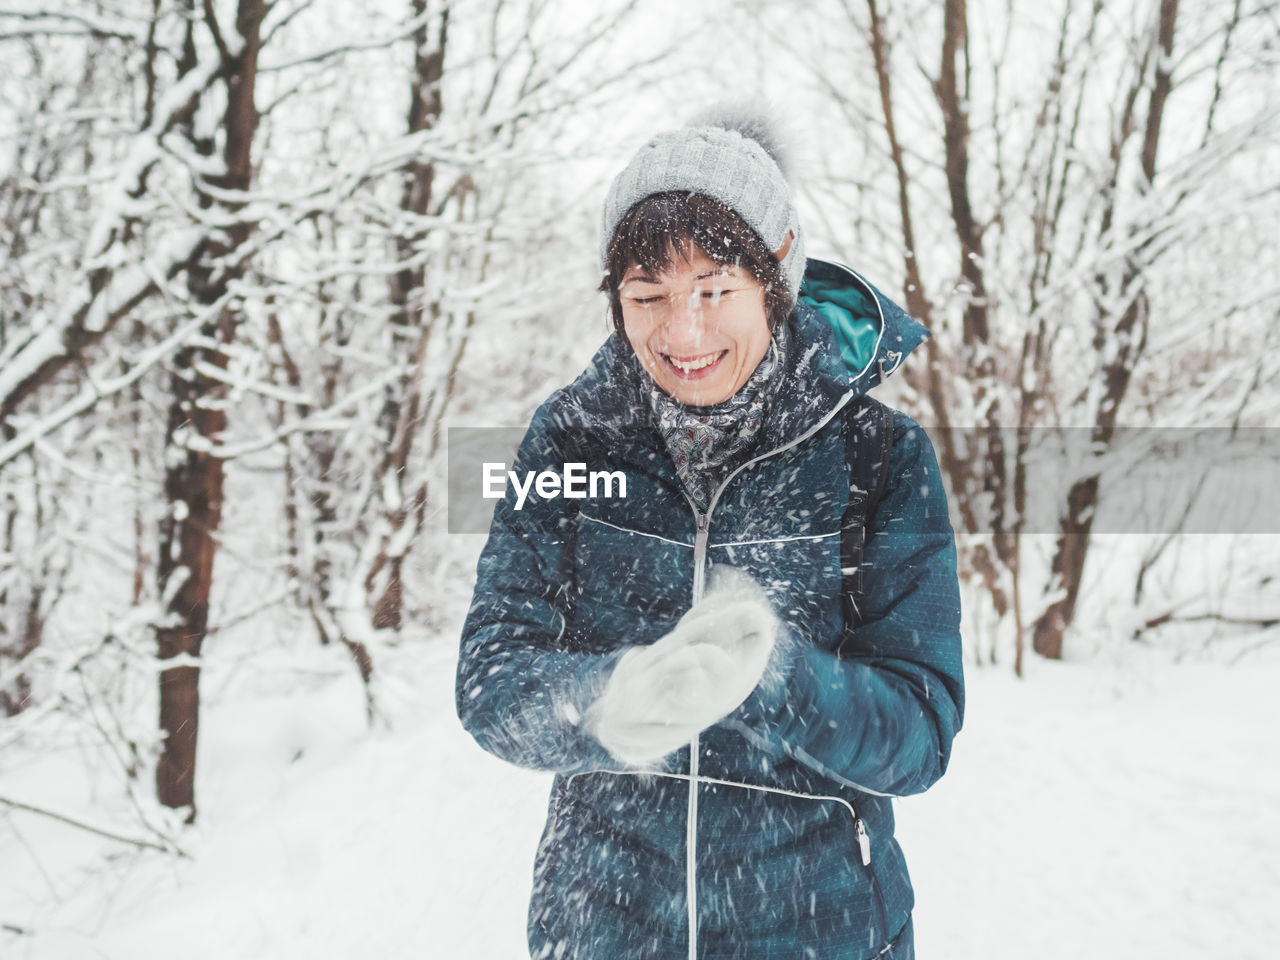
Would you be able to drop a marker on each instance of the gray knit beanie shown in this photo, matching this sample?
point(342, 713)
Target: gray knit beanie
point(731, 154)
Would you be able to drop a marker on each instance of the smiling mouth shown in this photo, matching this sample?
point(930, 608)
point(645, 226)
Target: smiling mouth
point(688, 366)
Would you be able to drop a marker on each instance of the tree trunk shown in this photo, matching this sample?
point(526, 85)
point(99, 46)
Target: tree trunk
point(988, 461)
point(403, 413)
point(31, 603)
point(197, 417)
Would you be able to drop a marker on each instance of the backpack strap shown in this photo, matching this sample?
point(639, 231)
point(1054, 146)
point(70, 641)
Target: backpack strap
point(868, 446)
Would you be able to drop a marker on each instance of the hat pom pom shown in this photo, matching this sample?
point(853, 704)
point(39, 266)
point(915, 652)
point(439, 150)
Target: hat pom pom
point(763, 124)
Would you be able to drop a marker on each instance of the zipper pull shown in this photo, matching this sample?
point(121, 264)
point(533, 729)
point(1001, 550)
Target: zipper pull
point(864, 842)
point(700, 556)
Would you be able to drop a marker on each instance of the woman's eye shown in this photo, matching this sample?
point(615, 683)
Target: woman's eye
point(645, 300)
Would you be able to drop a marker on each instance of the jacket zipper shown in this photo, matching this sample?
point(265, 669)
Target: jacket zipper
point(864, 848)
point(864, 842)
point(691, 831)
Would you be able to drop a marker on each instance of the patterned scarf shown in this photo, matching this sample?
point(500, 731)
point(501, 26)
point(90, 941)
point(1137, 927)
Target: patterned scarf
point(707, 443)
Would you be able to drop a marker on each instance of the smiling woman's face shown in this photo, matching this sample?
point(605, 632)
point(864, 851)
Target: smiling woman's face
point(699, 327)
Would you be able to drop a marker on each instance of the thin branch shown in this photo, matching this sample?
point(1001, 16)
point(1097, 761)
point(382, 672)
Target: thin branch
point(65, 23)
point(1170, 617)
point(405, 32)
point(93, 391)
point(70, 821)
point(320, 420)
point(215, 31)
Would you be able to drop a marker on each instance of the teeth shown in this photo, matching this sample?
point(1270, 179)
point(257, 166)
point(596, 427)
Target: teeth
point(695, 364)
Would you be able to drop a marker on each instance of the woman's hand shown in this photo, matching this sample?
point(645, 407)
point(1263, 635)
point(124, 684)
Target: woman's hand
point(659, 697)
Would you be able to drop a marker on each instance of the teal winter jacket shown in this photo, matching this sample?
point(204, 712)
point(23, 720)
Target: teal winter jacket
point(771, 835)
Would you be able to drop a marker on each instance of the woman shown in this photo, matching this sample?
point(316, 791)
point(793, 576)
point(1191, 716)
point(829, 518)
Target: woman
point(735, 666)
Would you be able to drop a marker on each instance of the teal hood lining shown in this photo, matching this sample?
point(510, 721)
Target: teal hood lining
point(852, 315)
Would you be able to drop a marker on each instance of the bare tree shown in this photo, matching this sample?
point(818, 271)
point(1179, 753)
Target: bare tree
point(1119, 340)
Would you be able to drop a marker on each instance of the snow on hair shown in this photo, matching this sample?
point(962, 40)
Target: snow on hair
point(762, 123)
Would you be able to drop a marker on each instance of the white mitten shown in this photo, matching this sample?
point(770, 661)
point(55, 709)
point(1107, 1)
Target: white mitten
point(660, 696)
point(734, 615)
point(656, 700)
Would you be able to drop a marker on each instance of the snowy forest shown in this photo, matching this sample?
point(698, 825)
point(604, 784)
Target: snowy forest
point(259, 258)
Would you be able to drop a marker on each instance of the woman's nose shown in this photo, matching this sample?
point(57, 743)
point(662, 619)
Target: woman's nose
point(684, 318)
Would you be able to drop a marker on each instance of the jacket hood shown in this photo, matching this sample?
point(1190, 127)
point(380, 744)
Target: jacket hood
point(866, 335)
point(846, 337)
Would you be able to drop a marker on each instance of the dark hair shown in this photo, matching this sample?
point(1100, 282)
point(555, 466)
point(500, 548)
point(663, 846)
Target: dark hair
point(661, 225)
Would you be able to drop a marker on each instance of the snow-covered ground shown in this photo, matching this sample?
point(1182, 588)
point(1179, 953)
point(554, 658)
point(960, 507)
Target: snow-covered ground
point(1122, 807)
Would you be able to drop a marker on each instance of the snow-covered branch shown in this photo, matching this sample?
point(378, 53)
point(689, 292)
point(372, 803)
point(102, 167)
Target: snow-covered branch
point(37, 21)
